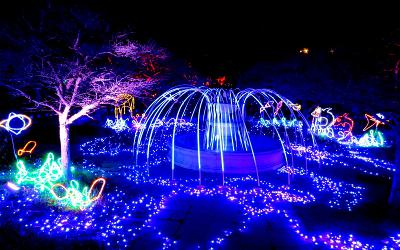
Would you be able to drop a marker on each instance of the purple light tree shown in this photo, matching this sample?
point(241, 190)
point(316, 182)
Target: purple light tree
point(75, 83)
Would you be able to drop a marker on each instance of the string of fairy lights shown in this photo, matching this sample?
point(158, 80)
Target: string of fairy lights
point(123, 218)
point(118, 220)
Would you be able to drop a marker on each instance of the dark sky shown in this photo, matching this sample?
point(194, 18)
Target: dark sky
point(244, 32)
point(244, 24)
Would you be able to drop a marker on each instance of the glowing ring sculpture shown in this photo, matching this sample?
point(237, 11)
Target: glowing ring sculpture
point(23, 119)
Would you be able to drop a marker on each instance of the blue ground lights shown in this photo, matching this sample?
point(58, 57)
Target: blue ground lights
point(122, 220)
point(142, 207)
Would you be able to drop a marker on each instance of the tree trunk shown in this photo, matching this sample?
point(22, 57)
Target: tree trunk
point(65, 152)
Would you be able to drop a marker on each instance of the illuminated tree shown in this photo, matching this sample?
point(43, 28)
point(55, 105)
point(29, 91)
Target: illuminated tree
point(73, 82)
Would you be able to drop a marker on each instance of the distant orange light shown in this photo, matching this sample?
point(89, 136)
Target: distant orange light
point(305, 51)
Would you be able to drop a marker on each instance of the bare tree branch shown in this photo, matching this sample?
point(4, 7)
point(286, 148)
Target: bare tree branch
point(29, 98)
point(84, 111)
point(75, 92)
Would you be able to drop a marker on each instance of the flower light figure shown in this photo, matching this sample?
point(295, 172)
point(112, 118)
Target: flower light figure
point(73, 197)
point(51, 171)
point(344, 126)
point(373, 137)
point(123, 103)
point(322, 122)
point(137, 120)
point(48, 179)
point(118, 125)
point(281, 123)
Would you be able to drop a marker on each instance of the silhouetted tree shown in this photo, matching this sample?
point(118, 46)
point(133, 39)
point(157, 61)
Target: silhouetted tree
point(392, 55)
point(394, 197)
point(76, 84)
point(66, 61)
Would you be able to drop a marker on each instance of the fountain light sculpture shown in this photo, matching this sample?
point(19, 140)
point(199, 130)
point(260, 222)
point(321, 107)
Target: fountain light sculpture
point(222, 137)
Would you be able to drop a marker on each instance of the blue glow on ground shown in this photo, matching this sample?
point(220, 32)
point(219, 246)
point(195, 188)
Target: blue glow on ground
point(139, 210)
point(330, 203)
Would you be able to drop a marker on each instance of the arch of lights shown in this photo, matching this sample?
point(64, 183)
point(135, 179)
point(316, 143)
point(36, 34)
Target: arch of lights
point(221, 138)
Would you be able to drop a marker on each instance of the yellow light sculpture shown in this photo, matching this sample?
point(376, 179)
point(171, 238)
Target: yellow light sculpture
point(120, 109)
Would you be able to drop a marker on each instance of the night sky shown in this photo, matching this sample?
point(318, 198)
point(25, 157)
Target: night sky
point(235, 36)
point(244, 33)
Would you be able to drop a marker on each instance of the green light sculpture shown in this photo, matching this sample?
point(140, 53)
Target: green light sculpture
point(48, 179)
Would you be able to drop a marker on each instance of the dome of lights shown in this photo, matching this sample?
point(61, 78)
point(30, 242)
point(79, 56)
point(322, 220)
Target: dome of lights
point(223, 131)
